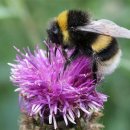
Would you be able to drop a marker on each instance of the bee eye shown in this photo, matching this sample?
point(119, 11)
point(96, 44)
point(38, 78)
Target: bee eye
point(55, 30)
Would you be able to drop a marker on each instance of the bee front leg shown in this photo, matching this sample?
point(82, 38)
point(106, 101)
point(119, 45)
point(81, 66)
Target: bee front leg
point(94, 68)
point(71, 58)
point(64, 54)
point(48, 54)
point(55, 51)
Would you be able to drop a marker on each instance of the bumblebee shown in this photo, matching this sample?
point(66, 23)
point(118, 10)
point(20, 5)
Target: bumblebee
point(95, 38)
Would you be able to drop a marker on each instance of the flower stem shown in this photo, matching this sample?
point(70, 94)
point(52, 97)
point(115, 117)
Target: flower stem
point(93, 122)
point(78, 126)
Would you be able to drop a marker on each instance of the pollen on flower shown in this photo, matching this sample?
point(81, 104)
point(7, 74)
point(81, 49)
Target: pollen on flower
point(48, 91)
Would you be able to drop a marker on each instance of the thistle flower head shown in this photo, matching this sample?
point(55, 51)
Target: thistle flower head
point(48, 91)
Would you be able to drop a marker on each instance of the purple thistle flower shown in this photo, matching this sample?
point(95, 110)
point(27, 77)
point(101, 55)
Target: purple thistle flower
point(47, 91)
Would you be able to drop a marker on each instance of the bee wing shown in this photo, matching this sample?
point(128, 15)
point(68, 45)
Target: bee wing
point(106, 27)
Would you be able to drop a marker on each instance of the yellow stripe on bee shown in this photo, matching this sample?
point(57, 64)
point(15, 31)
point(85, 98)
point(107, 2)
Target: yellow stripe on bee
point(101, 43)
point(66, 36)
point(62, 20)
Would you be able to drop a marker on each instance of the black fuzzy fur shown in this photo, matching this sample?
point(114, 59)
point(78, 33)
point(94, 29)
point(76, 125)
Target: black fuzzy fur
point(77, 18)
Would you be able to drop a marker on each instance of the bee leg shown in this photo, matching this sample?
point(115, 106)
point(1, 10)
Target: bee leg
point(94, 69)
point(48, 54)
point(55, 51)
point(74, 55)
point(66, 58)
point(71, 58)
point(47, 51)
point(64, 54)
point(66, 64)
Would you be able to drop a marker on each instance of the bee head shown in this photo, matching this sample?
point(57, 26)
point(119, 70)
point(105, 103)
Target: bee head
point(65, 23)
point(54, 33)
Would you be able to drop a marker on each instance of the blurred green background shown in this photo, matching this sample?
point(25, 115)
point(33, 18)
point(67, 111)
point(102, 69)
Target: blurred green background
point(23, 23)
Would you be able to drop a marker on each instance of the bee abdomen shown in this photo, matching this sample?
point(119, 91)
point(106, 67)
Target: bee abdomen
point(108, 66)
point(109, 58)
point(109, 51)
